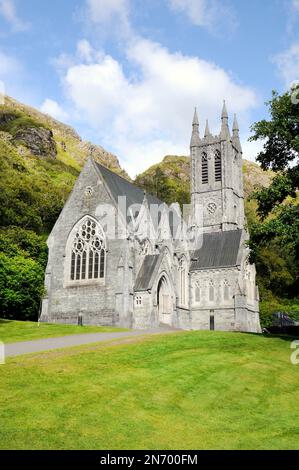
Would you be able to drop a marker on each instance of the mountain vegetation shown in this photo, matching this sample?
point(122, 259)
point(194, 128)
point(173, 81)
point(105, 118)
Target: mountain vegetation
point(40, 160)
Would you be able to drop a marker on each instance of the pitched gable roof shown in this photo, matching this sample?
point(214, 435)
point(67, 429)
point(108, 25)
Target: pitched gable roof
point(145, 274)
point(119, 186)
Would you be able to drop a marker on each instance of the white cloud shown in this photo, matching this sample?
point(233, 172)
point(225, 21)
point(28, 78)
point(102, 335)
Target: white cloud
point(251, 149)
point(141, 119)
point(52, 108)
point(110, 14)
point(206, 13)
point(288, 64)
point(9, 13)
point(8, 66)
point(85, 51)
point(295, 4)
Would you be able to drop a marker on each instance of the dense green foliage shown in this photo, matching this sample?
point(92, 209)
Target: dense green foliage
point(12, 121)
point(32, 194)
point(23, 257)
point(167, 180)
point(275, 235)
point(32, 190)
point(190, 390)
point(21, 287)
point(280, 151)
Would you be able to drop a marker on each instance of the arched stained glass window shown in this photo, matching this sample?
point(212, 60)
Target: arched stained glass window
point(88, 252)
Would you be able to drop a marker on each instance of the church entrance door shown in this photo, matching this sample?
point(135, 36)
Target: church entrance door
point(164, 301)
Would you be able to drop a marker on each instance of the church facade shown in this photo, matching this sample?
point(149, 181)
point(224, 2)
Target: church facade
point(119, 256)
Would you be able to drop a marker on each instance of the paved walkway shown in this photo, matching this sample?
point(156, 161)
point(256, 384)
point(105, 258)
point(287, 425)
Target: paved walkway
point(16, 349)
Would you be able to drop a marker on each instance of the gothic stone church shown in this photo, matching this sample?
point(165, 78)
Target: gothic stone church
point(145, 275)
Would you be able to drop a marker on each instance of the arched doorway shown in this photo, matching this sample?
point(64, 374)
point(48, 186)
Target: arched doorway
point(164, 301)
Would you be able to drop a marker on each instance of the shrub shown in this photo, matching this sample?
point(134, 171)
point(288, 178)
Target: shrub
point(21, 287)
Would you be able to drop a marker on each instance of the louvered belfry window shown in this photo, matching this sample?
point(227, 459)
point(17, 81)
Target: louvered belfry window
point(88, 252)
point(218, 171)
point(204, 169)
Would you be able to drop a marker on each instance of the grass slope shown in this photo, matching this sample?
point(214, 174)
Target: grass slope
point(195, 390)
point(15, 331)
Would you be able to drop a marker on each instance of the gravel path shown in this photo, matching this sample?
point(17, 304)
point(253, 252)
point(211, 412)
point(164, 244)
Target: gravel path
point(16, 349)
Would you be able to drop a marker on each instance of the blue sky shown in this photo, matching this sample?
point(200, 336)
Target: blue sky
point(128, 73)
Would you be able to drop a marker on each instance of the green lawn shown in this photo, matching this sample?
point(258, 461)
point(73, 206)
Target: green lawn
point(14, 331)
point(190, 390)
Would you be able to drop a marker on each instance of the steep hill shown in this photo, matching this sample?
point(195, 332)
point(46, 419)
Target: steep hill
point(70, 148)
point(171, 177)
point(40, 159)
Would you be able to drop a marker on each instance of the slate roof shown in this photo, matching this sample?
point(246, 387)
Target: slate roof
point(219, 249)
point(119, 186)
point(143, 281)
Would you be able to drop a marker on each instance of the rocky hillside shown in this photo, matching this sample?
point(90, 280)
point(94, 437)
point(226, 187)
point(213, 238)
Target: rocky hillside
point(40, 159)
point(34, 133)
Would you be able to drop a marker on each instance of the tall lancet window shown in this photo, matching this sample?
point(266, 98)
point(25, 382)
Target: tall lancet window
point(225, 289)
point(88, 251)
point(218, 170)
point(204, 169)
point(211, 290)
point(183, 281)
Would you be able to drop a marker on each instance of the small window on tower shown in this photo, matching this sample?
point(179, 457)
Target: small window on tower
point(204, 169)
point(218, 172)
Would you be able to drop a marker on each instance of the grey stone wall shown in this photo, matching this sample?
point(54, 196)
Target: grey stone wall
point(96, 300)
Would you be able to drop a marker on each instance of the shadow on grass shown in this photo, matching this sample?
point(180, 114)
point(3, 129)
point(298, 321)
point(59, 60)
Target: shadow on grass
point(284, 336)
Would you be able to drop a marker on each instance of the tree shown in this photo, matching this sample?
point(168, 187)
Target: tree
point(21, 287)
point(281, 150)
point(23, 258)
point(278, 206)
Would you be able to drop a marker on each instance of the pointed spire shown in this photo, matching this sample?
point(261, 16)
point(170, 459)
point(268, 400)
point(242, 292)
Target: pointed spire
point(195, 140)
point(224, 126)
point(207, 130)
point(235, 124)
point(195, 118)
point(236, 137)
point(224, 114)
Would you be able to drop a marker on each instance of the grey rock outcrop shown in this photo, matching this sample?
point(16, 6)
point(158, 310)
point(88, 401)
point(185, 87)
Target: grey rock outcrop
point(38, 140)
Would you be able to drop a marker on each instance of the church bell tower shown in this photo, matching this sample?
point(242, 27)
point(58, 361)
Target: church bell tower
point(216, 176)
